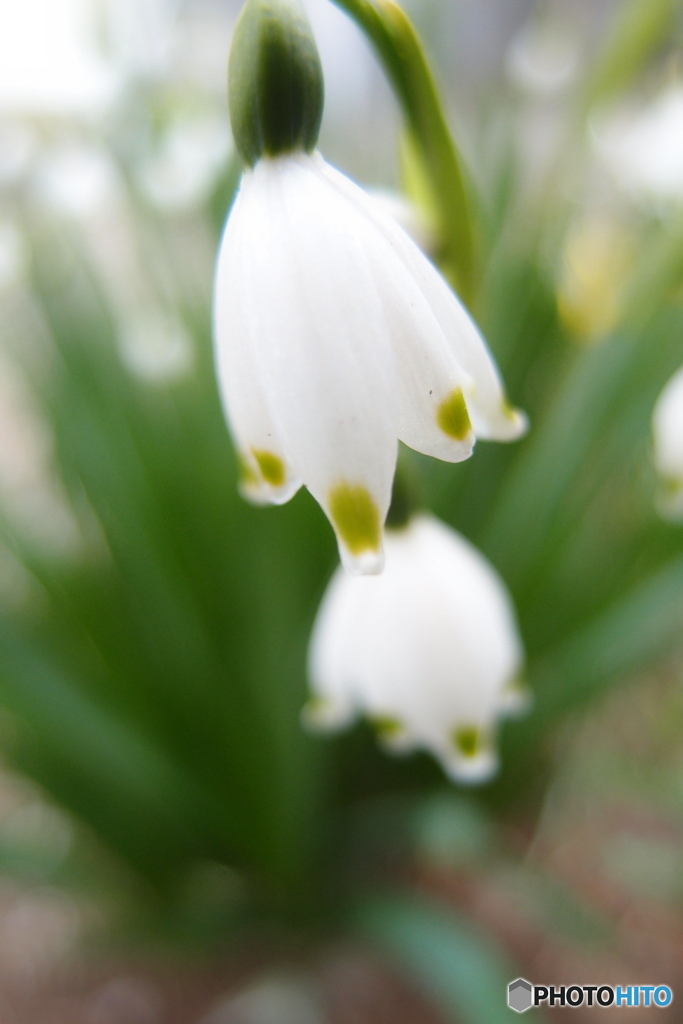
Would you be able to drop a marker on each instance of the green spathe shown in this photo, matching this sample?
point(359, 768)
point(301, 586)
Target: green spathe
point(275, 81)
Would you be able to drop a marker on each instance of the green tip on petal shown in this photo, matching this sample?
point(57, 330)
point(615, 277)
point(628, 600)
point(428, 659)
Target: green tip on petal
point(452, 416)
point(356, 518)
point(669, 498)
point(322, 715)
point(272, 467)
point(509, 411)
point(671, 487)
point(518, 420)
point(247, 475)
point(275, 81)
point(467, 741)
point(516, 696)
point(392, 734)
point(386, 727)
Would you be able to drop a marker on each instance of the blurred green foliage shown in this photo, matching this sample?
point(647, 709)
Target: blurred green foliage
point(156, 678)
point(161, 677)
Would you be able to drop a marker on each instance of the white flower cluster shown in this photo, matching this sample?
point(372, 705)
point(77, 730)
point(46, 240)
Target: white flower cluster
point(335, 338)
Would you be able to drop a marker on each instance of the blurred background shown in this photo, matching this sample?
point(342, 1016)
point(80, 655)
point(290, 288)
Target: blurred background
point(174, 847)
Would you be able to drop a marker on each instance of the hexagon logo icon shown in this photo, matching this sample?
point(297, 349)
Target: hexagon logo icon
point(520, 995)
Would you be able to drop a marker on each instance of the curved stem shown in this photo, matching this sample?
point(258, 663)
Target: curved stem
point(400, 51)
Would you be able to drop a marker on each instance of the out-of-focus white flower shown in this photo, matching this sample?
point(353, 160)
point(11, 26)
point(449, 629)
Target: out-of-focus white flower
point(667, 430)
point(335, 336)
point(49, 62)
point(429, 651)
point(644, 149)
point(543, 57)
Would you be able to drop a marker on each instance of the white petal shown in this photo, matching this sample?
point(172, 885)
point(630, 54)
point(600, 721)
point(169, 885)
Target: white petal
point(425, 650)
point(266, 473)
point(472, 768)
point(491, 415)
point(433, 417)
point(333, 654)
point(444, 642)
point(322, 353)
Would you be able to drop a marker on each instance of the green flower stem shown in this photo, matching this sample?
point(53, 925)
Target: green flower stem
point(400, 51)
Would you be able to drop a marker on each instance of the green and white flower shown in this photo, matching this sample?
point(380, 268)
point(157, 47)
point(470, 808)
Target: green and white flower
point(667, 432)
point(335, 336)
point(429, 651)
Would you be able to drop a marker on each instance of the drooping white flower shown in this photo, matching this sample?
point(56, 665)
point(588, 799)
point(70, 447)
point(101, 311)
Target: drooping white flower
point(429, 651)
point(335, 336)
point(667, 431)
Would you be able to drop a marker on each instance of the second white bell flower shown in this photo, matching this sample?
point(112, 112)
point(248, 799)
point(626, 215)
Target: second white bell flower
point(429, 651)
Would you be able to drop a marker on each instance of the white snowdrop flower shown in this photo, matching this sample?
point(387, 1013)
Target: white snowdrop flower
point(429, 651)
point(335, 336)
point(643, 148)
point(667, 431)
